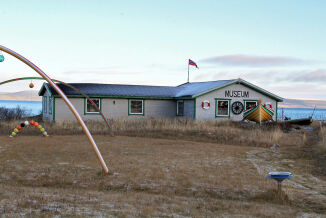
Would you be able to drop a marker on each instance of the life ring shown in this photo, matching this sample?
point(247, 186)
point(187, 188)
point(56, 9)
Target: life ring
point(206, 105)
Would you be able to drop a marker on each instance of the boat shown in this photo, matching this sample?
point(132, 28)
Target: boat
point(259, 114)
point(301, 121)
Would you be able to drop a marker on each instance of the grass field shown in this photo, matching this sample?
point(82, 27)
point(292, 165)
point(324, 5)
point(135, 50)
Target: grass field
point(164, 176)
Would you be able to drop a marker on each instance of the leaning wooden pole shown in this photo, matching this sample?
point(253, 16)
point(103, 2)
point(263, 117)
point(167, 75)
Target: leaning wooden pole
point(64, 97)
point(68, 85)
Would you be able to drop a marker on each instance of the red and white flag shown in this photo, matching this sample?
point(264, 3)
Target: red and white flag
point(191, 62)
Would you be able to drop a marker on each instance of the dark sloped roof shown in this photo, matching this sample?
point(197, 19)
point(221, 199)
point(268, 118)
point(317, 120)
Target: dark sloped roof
point(190, 89)
point(117, 90)
point(184, 90)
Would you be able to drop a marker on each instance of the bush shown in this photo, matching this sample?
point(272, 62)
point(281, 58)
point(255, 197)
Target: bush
point(12, 113)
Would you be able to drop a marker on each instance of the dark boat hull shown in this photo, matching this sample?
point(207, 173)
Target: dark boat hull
point(303, 121)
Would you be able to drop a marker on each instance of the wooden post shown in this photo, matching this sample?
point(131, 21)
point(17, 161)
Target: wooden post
point(66, 100)
point(259, 110)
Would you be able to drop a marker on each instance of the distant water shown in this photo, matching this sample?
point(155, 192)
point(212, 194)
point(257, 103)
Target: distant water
point(297, 113)
point(32, 107)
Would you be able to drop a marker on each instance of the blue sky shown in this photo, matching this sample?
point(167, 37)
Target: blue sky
point(277, 45)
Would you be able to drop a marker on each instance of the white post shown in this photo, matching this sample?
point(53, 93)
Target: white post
point(188, 72)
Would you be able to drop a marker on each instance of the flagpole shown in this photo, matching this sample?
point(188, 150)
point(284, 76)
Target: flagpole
point(188, 71)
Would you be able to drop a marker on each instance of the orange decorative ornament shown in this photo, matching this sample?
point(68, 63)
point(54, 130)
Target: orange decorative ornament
point(19, 127)
point(36, 124)
point(31, 85)
point(31, 122)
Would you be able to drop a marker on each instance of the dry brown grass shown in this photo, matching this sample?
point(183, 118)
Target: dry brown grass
point(322, 143)
point(225, 132)
point(172, 168)
point(60, 175)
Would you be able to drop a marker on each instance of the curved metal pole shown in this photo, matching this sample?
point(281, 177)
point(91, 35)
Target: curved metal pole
point(68, 85)
point(64, 97)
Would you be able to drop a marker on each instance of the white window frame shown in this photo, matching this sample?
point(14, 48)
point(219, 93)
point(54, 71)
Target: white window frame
point(179, 101)
point(216, 109)
point(99, 105)
point(129, 107)
point(250, 101)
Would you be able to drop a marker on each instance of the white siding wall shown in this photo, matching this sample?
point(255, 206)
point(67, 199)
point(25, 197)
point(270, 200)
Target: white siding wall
point(115, 108)
point(160, 108)
point(202, 114)
point(63, 113)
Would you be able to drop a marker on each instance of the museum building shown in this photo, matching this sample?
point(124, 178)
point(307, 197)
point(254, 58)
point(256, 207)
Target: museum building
point(212, 100)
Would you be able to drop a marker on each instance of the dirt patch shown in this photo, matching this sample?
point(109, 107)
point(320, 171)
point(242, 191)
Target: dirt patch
point(61, 175)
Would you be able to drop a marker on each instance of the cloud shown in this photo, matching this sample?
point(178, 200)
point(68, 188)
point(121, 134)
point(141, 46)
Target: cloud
point(256, 61)
point(100, 72)
point(250, 75)
point(316, 76)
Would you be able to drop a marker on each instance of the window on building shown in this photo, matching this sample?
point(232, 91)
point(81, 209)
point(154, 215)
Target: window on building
point(223, 108)
point(90, 108)
point(45, 104)
point(180, 108)
point(50, 105)
point(250, 104)
point(136, 107)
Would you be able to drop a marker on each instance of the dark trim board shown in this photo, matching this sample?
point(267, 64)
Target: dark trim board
point(195, 108)
point(276, 111)
point(177, 108)
point(127, 97)
point(53, 110)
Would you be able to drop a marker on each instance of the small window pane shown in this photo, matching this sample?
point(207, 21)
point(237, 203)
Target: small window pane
point(180, 108)
point(136, 107)
point(250, 104)
point(91, 108)
point(223, 108)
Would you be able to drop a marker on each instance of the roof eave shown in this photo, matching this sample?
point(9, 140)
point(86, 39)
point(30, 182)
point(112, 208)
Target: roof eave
point(214, 89)
point(243, 82)
point(44, 86)
point(41, 92)
point(258, 89)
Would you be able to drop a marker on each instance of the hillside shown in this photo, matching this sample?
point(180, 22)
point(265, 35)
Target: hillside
point(21, 96)
point(297, 103)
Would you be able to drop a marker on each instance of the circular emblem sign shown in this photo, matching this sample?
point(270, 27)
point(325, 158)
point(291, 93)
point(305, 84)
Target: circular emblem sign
point(237, 107)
